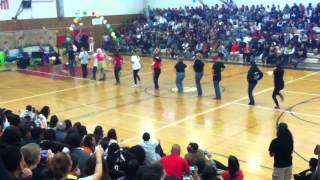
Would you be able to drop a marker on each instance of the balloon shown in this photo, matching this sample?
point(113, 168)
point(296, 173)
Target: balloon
point(93, 13)
point(108, 26)
point(81, 24)
point(84, 13)
point(101, 18)
point(71, 28)
point(113, 34)
point(68, 39)
point(98, 14)
point(110, 29)
point(75, 20)
point(105, 21)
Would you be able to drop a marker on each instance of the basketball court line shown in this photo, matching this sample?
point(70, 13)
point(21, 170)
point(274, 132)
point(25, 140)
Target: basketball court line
point(215, 108)
point(302, 93)
point(314, 80)
point(73, 88)
point(278, 110)
point(44, 94)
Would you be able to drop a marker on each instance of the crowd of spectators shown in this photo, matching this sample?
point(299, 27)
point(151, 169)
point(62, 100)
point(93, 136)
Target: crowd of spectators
point(36, 146)
point(268, 32)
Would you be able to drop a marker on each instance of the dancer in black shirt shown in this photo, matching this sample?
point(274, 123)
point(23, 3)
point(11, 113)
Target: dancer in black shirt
point(254, 74)
point(217, 68)
point(278, 73)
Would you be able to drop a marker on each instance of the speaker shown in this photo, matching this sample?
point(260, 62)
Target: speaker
point(26, 4)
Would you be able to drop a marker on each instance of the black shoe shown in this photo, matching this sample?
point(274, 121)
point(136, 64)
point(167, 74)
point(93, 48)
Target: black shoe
point(251, 104)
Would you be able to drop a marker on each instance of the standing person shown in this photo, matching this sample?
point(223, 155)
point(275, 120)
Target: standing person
point(247, 52)
point(198, 66)
point(95, 68)
point(316, 174)
point(156, 66)
point(281, 149)
point(71, 60)
point(278, 73)
point(180, 72)
point(102, 64)
point(57, 65)
point(84, 59)
point(234, 50)
point(117, 61)
point(136, 66)
point(254, 74)
point(217, 68)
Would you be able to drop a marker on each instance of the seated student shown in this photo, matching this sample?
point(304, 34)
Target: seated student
point(74, 141)
point(14, 163)
point(173, 164)
point(149, 147)
point(307, 174)
point(300, 55)
point(233, 172)
point(195, 155)
point(32, 157)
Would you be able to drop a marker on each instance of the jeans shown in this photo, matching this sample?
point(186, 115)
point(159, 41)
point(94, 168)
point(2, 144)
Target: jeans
point(94, 72)
point(198, 77)
point(156, 75)
point(116, 74)
point(72, 64)
point(179, 79)
point(282, 173)
point(136, 76)
point(251, 86)
point(276, 91)
point(84, 70)
point(216, 86)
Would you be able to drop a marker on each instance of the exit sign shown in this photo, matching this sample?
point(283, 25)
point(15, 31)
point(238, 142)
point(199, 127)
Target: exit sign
point(4, 4)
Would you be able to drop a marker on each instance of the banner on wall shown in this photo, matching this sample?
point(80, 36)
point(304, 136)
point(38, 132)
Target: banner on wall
point(97, 21)
point(4, 4)
point(20, 39)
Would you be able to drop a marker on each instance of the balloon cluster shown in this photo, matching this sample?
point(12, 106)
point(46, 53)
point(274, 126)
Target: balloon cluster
point(77, 22)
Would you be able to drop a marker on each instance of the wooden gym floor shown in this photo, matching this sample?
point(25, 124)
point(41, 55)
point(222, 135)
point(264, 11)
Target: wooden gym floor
point(223, 127)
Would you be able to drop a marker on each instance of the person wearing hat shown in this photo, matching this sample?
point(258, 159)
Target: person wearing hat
point(217, 68)
point(156, 66)
point(254, 74)
point(278, 73)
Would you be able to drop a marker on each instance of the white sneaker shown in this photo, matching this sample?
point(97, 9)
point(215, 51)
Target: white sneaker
point(134, 86)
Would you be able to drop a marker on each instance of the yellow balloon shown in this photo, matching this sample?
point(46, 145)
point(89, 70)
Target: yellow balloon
point(75, 21)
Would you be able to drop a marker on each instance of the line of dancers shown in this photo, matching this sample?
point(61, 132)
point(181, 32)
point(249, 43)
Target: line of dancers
point(254, 74)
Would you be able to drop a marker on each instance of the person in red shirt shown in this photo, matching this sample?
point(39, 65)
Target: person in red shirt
point(173, 164)
point(156, 66)
point(117, 61)
point(247, 52)
point(233, 172)
point(234, 51)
